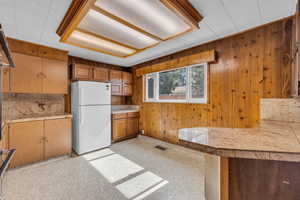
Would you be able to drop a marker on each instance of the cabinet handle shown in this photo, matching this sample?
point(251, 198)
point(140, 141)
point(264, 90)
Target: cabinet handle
point(43, 139)
point(44, 75)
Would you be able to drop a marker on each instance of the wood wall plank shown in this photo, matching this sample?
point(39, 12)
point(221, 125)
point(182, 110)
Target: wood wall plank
point(249, 66)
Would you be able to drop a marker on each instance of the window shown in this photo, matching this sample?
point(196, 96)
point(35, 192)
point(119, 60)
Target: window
point(186, 85)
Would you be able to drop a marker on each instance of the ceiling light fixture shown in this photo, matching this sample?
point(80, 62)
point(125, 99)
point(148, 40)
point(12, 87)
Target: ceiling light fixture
point(124, 28)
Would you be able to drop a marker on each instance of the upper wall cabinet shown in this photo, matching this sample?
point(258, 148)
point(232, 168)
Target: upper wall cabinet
point(101, 74)
point(121, 82)
point(115, 76)
point(6, 72)
point(55, 76)
point(27, 77)
point(82, 72)
point(127, 77)
point(37, 75)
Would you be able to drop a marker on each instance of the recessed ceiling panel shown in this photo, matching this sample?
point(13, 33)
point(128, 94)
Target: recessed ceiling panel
point(91, 42)
point(150, 15)
point(102, 25)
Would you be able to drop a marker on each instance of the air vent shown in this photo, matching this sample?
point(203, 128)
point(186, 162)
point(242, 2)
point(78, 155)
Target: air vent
point(161, 148)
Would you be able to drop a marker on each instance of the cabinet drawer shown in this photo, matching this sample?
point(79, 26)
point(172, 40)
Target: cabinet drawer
point(133, 114)
point(120, 116)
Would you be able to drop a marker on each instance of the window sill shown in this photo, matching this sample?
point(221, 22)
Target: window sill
point(174, 101)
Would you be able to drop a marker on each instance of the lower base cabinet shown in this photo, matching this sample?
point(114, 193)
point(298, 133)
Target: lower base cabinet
point(125, 126)
point(57, 137)
point(27, 139)
point(39, 140)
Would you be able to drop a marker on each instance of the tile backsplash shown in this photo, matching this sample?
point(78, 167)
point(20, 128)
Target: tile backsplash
point(17, 106)
point(280, 109)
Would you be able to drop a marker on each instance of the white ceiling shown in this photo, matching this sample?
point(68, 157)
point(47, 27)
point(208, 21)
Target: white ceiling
point(37, 21)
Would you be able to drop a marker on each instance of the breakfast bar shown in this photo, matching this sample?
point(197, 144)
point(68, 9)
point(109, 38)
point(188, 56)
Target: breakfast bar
point(249, 163)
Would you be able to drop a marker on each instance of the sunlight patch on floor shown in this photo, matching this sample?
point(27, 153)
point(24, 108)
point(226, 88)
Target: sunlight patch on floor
point(138, 184)
point(98, 154)
point(115, 167)
point(151, 190)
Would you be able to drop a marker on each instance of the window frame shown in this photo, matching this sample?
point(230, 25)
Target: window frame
point(189, 98)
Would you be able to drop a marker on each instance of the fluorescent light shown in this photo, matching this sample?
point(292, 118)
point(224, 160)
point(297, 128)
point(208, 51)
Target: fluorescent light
point(100, 24)
point(150, 15)
point(90, 41)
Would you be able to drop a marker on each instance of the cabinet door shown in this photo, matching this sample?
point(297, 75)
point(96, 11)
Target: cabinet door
point(4, 139)
point(115, 76)
point(55, 74)
point(27, 76)
point(119, 129)
point(57, 137)
point(117, 89)
point(127, 90)
point(132, 127)
point(5, 82)
point(127, 77)
point(82, 72)
point(27, 139)
point(100, 74)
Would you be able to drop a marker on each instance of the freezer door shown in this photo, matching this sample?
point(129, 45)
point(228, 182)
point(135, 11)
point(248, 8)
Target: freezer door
point(94, 93)
point(94, 128)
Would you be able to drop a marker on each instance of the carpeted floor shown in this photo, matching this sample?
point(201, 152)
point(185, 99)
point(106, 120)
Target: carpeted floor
point(132, 169)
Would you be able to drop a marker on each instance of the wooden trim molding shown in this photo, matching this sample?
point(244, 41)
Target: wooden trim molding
point(28, 48)
point(184, 10)
point(202, 57)
point(72, 11)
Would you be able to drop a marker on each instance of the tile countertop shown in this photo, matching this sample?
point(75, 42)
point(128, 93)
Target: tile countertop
point(39, 117)
point(270, 140)
point(124, 109)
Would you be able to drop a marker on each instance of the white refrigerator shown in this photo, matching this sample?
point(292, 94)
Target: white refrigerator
point(91, 109)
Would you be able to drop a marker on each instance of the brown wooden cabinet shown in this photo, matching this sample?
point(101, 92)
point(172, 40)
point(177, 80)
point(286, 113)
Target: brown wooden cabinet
point(101, 74)
point(125, 126)
point(55, 74)
point(127, 77)
point(57, 137)
point(82, 72)
point(27, 76)
point(6, 86)
point(127, 90)
point(121, 82)
point(115, 76)
point(4, 139)
point(119, 129)
point(117, 89)
point(36, 75)
point(132, 127)
point(27, 139)
point(39, 140)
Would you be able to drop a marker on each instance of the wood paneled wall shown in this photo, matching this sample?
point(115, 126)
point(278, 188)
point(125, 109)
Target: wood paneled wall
point(250, 65)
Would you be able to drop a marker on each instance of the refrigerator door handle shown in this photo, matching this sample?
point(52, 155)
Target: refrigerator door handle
point(79, 96)
point(79, 115)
